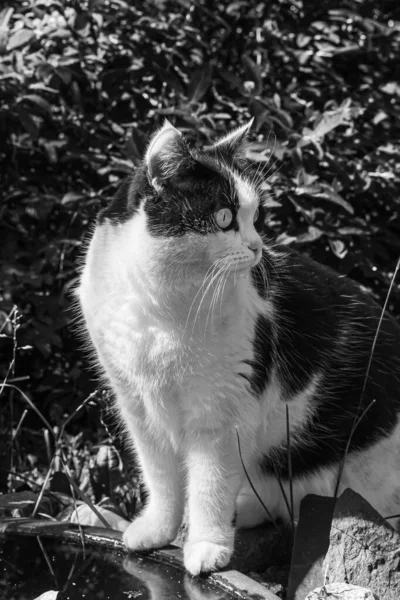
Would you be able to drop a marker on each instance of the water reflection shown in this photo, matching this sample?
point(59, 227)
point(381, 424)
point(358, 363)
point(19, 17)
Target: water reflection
point(30, 566)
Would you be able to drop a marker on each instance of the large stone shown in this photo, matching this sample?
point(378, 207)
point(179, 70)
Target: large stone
point(341, 591)
point(364, 550)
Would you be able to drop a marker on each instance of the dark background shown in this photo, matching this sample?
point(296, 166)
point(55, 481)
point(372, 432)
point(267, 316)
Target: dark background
point(82, 87)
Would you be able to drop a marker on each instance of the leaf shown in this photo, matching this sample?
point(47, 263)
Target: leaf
point(391, 88)
point(327, 193)
point(312, 234)
point(131, 151)
point(328, 121)
point(253, 73)
point(303, 40)
point(259, 112)
point(29, 124)
point(82, 23)
point(199, 83)
point(305, 179)
point(324, 192)
point(17, 500)
point(38, 101)
point(338, 248)
point(71, 197)
point(24, 502)
point(310, 190)
point(170, 78)
point(5, 16)
point(50, 595)
point(20, 38)
point(351, 231)
point(230, 77)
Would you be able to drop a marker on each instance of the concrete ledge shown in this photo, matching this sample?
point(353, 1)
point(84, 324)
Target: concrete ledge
point(231, 581)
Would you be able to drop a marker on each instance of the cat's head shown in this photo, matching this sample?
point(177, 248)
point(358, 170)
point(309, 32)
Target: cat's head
point(186, 210)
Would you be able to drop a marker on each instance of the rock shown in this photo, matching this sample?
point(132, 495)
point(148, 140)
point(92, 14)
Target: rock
point(364, 549)
point(310, 546)
point(341, 591)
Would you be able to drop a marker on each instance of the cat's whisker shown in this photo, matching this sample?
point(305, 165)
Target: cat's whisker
point(227, 272)
point(204, 282)
point(213, 277)
point(213, 301)
point(220, 287)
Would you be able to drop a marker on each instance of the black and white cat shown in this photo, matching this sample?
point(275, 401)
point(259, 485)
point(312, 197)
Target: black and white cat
point(206, 332)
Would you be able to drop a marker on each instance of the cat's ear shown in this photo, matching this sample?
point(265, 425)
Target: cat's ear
point(166, 153)
point(233, 143)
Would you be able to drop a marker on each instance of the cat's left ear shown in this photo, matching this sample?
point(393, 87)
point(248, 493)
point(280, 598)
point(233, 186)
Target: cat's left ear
point(166, 153)
point(233, 143)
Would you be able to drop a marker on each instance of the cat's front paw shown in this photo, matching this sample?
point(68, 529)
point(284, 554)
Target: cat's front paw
point(202, 557)
point(149, 531)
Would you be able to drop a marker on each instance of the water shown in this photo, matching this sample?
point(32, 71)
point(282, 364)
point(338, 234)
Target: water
point(31, 566)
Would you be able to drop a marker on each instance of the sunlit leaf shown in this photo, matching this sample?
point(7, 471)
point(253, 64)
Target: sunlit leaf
point(312, 234)
point(338, 248)
point(50, 595)
point(328, 121)
point(71, 197)
point(20, 38)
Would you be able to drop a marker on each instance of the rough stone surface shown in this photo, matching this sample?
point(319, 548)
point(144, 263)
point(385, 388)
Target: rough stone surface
point(310, 546)
point(341, 591)
point(274, 578)
point(364, 549)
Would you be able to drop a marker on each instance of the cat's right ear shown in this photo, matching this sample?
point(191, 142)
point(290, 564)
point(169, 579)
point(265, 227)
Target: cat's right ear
point(165, 154)
point(232, 144)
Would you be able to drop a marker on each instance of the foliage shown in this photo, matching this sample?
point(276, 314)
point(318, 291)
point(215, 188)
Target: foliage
point(84, 83)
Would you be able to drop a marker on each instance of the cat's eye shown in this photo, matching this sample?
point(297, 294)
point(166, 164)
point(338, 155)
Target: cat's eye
point(223, 217)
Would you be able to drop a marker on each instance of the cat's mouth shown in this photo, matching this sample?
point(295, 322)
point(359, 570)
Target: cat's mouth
point(239, 265)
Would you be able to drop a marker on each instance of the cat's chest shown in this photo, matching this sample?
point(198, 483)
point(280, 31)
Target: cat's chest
point(155, 352)
point(144, 348)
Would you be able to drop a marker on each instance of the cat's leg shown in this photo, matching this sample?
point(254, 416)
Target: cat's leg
point(254, 509)
point(158, 523)
point(215, 474)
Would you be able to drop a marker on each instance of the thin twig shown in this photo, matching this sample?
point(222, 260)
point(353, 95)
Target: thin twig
point(48, 561)
point(279, 480)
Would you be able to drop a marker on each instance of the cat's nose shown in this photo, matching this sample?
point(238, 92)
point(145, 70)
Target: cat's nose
point(255, 245)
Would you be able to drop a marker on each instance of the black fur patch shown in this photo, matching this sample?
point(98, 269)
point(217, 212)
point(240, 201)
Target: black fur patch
point(126, 201)
point(234, 519)
point(188, 202)
point(263, 347)
point(263, 275)
point(326, 324)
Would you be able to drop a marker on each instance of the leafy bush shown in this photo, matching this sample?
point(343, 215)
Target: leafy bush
point(83, 84)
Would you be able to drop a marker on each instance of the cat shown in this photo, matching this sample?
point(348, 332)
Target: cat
point(210, 336)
